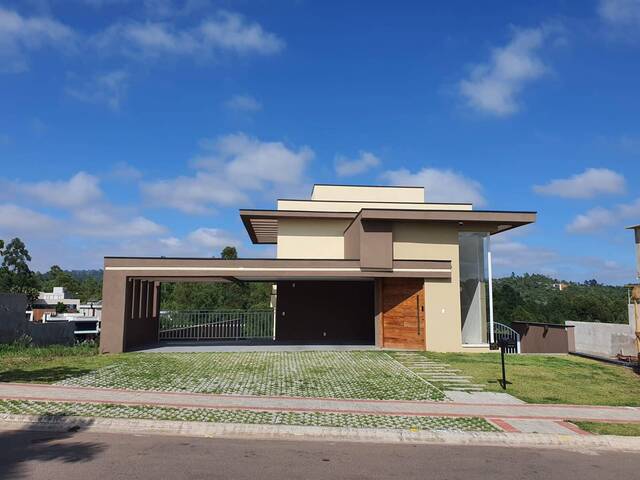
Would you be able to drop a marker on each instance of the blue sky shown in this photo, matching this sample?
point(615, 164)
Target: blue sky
point(140, 127)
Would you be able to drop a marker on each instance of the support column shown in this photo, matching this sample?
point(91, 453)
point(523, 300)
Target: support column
point(116, 300)
point(135, 307)
point(144, 297)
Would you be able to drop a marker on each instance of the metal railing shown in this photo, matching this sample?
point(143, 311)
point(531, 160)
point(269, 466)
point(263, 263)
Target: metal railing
point(504, 331)
point(217, 325)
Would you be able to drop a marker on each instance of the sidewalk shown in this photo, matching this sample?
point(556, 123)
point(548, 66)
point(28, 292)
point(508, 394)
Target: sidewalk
point(527, 418)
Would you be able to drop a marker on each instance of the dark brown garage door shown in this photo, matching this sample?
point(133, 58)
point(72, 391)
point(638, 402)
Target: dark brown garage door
point(325, 312)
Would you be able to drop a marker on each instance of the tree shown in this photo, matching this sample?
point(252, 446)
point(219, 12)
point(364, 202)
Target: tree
point(15, 266)
point(229, 253)
point(61, 308)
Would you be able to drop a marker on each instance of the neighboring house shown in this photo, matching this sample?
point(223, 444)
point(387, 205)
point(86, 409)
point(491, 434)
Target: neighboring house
point(560, 286)
point(354, 264)
point(47, 301)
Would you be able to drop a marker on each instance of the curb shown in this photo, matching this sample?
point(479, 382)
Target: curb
point(311, 433)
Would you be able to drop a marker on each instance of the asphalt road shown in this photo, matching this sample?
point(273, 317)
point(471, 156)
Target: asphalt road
point(83, 455)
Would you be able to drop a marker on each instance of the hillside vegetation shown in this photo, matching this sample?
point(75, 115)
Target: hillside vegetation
point(533, 298)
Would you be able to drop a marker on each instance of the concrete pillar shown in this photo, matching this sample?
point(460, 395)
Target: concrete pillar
point(157, 286)
point(116, 300)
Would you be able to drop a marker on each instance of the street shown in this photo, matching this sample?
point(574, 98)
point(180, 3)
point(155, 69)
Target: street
point(83, 455)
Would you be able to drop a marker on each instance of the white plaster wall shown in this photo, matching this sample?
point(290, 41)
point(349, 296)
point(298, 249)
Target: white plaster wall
point(311, 238)
point(606, 339)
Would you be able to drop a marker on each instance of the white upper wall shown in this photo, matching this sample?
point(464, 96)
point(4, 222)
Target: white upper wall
point(355, 206)
point(353, 198)
point(352, 193)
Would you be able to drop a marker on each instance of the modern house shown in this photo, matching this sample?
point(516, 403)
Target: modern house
point(47, 302)
point(354, 264)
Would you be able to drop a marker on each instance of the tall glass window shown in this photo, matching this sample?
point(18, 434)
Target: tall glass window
point(474, 286)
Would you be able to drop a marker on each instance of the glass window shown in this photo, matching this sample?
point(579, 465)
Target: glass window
point(474, 286)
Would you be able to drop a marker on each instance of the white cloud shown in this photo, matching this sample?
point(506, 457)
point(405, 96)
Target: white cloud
point(107, 89)
point(600, 218)
point(493, 87)
point(193, 195)
point(15, 219)
point(620, 13)
point(588, 184)
point(125, 172)
point(230, 167)
point(80, 190)
point(224, 32)
point(95, 223)
point(347, 167)
point(202, 242)
point(211, 238)
point(243, 103)
point(20, 35)
point(440, 185)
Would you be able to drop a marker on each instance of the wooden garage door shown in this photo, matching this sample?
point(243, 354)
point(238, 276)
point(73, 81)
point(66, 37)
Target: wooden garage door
point(403, 319)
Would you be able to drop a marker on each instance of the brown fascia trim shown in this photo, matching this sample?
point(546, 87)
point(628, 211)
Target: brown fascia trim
point(184, 269)
point(471, 216)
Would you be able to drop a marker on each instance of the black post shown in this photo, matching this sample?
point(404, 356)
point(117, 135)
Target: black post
point(504, 373)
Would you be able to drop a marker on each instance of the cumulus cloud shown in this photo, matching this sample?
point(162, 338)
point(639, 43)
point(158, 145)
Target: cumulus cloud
point(346, 167)
point(600, 218)
point(228, 169)
point(243, 103)
point(588, 184)
point(21, 35)
point(441, 185)
point(125, 172)
point(224, 32)
point(201, 242)
point(81, 189)
point(107, 89)
point(620, 13)
point(493, 87)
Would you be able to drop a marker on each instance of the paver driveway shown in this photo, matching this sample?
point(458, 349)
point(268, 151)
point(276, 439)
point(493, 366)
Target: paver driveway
point(364, 374)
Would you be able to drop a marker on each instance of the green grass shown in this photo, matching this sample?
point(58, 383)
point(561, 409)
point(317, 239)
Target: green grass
point(50, 364)
point(624, 429)
point(320, 419)
point(550, 378)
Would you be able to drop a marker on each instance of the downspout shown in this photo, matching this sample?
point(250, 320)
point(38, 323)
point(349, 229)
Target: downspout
point(490, 273)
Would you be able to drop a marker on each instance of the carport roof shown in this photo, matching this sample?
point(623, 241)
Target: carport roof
point(212, 269)
point(262, 225)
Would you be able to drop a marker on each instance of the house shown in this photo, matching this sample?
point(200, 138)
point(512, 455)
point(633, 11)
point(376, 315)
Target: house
point(47, 302)
point(354, 264)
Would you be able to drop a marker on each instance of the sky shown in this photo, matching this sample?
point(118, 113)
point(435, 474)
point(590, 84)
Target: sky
point(141, 127)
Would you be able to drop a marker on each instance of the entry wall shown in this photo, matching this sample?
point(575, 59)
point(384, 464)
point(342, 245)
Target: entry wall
point(415, 241)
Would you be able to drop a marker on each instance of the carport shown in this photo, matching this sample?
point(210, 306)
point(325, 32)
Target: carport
point(319, 301)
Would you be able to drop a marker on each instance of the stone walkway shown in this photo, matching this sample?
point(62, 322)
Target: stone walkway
point(439, 374)
point(510, 418)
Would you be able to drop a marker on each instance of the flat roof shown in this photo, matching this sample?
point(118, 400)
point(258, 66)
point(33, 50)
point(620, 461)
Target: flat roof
point(262, 225)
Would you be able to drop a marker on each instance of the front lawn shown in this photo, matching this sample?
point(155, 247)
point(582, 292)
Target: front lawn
point(50, 364)
point(550, 378)
point(624, 429)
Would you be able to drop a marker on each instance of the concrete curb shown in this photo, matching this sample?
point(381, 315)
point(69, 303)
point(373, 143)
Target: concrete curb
point(310, 433)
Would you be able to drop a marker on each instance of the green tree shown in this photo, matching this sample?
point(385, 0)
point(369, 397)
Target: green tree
point(14, 271)
point(61, 308)
point(229, 253)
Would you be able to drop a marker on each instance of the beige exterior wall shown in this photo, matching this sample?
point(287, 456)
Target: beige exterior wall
point(356, 206)
point(368, 194)
point(442, 298)
point(311, 238)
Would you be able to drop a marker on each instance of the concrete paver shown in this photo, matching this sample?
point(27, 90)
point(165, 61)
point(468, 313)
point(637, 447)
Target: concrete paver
point(297, 404)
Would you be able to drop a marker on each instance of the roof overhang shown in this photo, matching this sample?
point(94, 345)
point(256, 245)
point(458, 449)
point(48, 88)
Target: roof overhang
point(262, 225)
point(211, 269)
